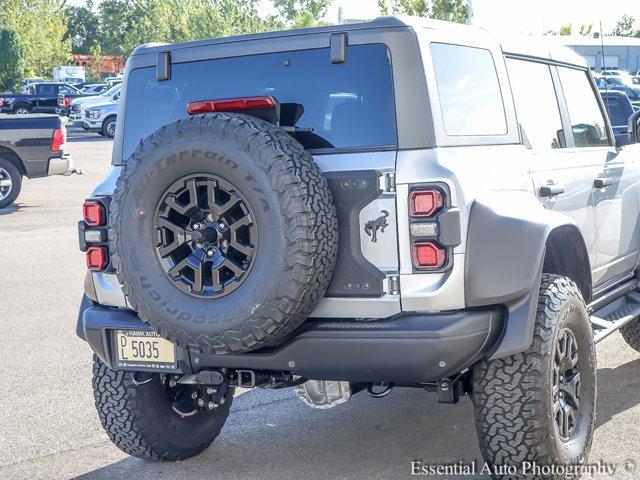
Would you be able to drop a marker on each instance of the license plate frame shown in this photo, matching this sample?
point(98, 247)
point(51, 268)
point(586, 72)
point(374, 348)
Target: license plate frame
point(147, 343)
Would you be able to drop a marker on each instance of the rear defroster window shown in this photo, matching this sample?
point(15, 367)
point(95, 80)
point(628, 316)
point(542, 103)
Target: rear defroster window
point(348, 105)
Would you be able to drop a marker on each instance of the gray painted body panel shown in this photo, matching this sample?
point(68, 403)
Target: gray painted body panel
point(493, 181)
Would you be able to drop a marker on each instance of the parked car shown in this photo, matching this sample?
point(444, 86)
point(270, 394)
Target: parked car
point(618, 80)
point(77, 107)
point(41, 98)
point(31, 146)
point(93, 88)
point(65, 99)
point(101, 118)
point(401, 202)
point(632, 92)
point(620, 110)
point(636, 80)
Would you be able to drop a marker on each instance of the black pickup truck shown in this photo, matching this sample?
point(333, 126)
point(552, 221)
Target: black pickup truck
point(41, 98)
point(30, 146)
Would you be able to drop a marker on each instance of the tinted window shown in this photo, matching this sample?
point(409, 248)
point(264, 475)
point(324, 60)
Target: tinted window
point(536, 104)
point(47, 90)
point(469, 91)
point(616, 112)
point(344, 105)
point(587, 121)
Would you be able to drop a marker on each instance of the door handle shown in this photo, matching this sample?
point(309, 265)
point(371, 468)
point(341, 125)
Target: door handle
point(602, 182)
point(550, 190)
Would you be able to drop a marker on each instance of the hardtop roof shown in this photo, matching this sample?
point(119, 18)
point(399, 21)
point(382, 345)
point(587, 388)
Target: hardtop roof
point(541, 47)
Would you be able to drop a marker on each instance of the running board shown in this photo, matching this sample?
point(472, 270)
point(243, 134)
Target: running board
point(615, 315)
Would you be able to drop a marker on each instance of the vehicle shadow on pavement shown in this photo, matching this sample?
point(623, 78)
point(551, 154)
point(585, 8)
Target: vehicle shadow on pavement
point(617, 390)
point(10, 209)
point(272, 434)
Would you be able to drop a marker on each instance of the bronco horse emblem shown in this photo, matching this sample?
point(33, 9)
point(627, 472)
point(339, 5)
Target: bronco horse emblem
point(372, 226)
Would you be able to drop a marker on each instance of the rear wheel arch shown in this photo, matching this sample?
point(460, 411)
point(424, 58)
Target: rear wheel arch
point(13, 157)
point(19, 106)
point(566, 255)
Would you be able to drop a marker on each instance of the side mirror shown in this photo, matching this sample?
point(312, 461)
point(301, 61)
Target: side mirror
point(634, 128)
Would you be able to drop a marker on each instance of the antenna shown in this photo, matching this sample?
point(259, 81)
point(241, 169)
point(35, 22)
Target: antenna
point(604, 69)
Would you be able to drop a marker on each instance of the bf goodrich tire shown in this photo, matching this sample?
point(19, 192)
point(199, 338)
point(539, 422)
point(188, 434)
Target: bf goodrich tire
point(539, 405)
point(146, 418)
point(631, 334)
point(223, 232)
point(10, 182)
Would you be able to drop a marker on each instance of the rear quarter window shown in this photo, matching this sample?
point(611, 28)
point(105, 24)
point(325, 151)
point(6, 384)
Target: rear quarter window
point(469, 90)
point(349, 105)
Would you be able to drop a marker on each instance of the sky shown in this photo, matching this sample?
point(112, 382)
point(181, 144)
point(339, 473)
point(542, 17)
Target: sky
point(507, 17)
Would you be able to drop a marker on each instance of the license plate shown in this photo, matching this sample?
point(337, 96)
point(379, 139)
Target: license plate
point(144, 349)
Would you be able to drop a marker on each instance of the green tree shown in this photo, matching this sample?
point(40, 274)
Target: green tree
point(449, 10)
point(626, 27)
point(566, 30)
point(41, 28)
point(115, 20)
point(12, 63)
point(586, 30)
point(83, 28)
point(302, 13)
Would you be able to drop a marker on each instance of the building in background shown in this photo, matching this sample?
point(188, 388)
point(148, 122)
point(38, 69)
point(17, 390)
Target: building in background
point(105, 65)
point(619, 52)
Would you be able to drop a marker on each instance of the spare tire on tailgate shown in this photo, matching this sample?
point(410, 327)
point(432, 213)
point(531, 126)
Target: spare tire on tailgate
point(222, 232)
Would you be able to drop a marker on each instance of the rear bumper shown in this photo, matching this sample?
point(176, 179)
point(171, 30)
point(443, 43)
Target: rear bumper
point(60, 165)
point(405, 350)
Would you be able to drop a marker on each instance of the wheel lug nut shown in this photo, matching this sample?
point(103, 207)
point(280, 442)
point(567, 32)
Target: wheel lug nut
point(211, 391)
point(212, 405)
point(210, 253)
point(200, 402)
point(196, 226)
point(172, 383)
point(194, 395)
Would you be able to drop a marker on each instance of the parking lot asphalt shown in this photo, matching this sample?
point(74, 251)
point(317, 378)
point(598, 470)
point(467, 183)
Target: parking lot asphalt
point(49, 428)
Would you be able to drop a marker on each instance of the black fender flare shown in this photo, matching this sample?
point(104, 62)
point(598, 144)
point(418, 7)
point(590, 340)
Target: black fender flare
point(507, 240)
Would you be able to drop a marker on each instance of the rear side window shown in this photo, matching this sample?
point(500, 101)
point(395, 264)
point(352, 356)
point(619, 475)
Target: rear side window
point(348, 105)
point(616, 112)
point(587, 121)
point(46, 90)
point(469, 91)
point(536, 104)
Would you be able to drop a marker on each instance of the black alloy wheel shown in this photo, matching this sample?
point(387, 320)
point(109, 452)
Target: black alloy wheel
point(566, 384)
point(206, 238)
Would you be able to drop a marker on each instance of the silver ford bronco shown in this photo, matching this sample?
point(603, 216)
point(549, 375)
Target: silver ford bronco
point(398, 203)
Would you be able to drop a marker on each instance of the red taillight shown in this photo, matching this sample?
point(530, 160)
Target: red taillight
point(59, 139)
point(230, 104)
point(425, 203)
point(93, 214)
point(67, 102)
point(428, 256)
point(97, 258)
